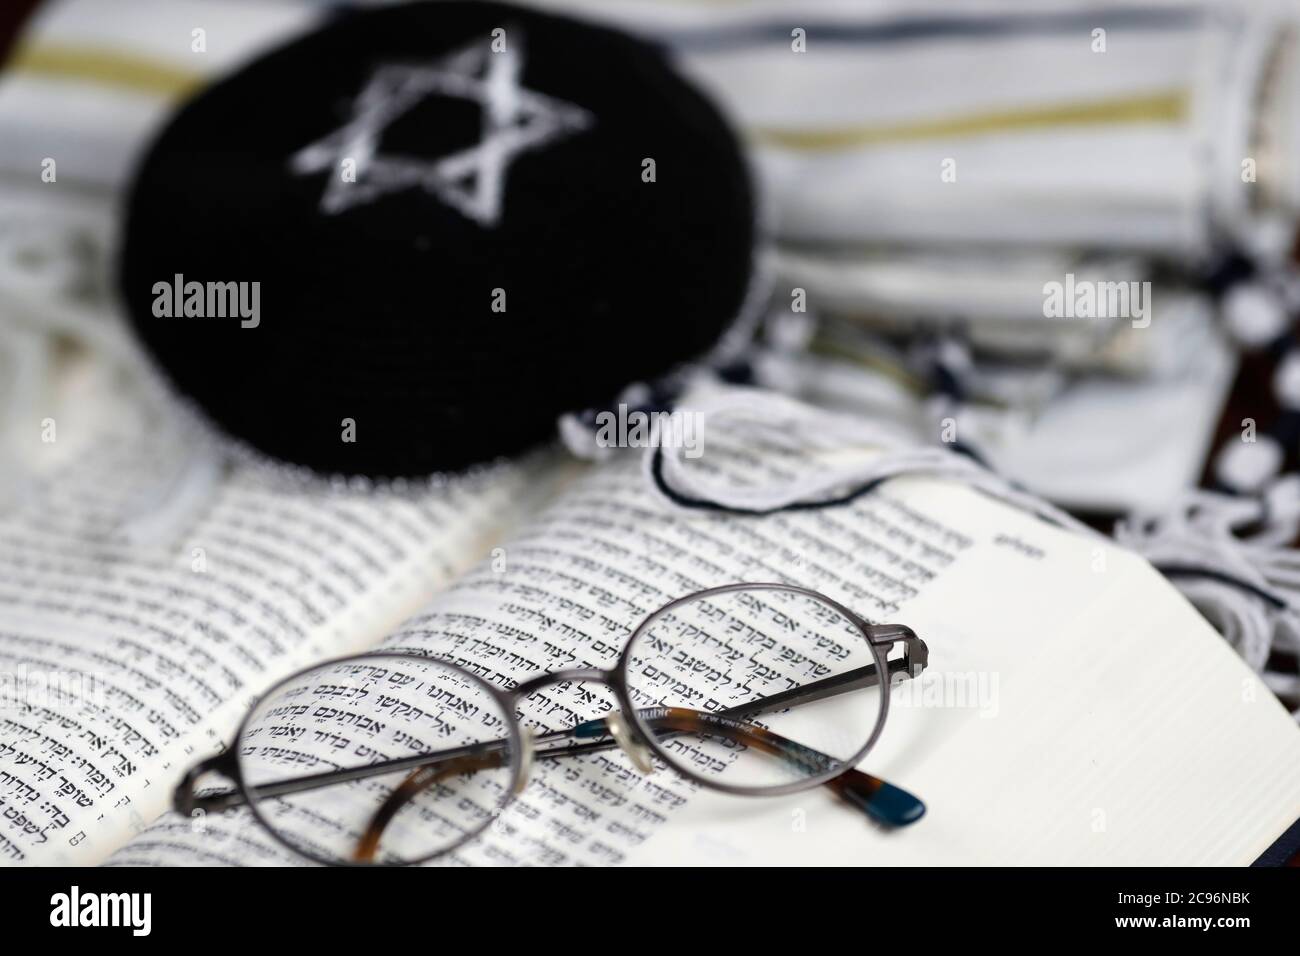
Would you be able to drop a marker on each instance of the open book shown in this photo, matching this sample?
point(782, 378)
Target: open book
point(1077, 709)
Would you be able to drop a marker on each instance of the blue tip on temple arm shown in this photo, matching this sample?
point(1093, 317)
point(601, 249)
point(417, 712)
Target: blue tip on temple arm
point(591, 728)
point(886, 804)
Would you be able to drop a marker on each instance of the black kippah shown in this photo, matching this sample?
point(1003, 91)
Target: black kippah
point(463, 219)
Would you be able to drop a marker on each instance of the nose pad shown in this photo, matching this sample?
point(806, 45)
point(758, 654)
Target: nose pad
point(635, 749)
point(525, 759)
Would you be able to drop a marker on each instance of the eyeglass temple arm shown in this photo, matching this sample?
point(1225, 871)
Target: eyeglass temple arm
point(888, 805)
point(914, 660)
point(415, 784)
point(885, 803)
point(916, 657)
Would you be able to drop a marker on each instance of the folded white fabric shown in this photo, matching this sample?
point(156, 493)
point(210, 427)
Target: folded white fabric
point(89, 81)
point(1124, 126)
point(1229, 556)
point(1132, 133)
point(86, 85)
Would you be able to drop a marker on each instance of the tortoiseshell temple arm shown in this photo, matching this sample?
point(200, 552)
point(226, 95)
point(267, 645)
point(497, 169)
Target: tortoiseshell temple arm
point(415, 784)
point(886, 804)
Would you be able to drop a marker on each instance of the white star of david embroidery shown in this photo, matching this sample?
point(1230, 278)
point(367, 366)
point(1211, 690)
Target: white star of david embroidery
point(471, 180)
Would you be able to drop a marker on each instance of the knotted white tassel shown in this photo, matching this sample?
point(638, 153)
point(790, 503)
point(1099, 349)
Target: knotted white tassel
point(1247, 586)
point(1246, 542)
point(795, 427)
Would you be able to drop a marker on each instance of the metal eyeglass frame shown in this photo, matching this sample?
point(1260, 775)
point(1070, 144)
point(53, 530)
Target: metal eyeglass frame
point(886, 804)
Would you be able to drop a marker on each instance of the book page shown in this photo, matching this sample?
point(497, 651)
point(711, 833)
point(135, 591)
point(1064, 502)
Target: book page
point(1076, 708)
point(150, 587)
point(120, 664)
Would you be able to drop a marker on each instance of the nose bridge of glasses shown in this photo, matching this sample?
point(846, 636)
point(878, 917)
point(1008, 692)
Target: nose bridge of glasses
point(575, 675)
point(630, 742)
point(526, 750)
point(612, 724)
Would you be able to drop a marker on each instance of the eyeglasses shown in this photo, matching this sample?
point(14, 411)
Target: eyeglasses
point(388, 758)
